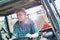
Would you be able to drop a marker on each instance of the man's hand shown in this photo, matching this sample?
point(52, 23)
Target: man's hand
point(35, 35)
point(28, 35)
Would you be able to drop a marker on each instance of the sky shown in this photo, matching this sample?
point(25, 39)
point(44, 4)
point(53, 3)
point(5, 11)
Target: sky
point(57, 2)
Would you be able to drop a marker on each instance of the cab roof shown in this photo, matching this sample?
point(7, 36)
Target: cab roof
point(8, 7)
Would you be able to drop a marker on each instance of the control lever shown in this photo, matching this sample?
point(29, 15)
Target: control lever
point(3, 30)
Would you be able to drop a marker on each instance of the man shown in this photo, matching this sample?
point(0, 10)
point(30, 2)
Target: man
point(24, 27)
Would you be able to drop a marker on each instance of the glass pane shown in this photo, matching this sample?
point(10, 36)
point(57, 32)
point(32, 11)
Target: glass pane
point(3, 25)
point(12, 20)
point(55, 13)
point(38, 15)
point(57, 3)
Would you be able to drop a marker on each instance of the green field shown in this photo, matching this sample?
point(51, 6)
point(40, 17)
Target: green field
point(2, 24)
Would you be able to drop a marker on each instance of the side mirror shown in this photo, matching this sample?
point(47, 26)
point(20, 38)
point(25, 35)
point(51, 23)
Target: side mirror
point(48, 35)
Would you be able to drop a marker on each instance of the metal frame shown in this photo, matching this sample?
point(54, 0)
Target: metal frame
point(54, 20)
point(52, 15)
point(7, 26)
point(53, 3)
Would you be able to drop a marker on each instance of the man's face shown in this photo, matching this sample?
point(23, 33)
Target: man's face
point(21, 16)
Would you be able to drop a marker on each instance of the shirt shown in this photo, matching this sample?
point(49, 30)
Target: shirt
point(21, 31)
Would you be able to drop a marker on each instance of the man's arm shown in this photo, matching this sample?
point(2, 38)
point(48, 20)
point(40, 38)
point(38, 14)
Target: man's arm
point(34, 31)
point(15, 32)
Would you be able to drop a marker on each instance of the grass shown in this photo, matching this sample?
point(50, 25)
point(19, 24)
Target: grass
point(2, 24)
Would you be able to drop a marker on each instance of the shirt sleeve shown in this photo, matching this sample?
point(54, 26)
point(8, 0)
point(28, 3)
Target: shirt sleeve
point(15, 30)
point(34, 28)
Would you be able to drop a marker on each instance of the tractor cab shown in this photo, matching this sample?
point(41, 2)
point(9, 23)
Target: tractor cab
point(45, 13)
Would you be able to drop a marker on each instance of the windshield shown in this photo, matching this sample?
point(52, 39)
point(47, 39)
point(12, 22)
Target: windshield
point(57, 2)
point(37, 14)
point(3, 29)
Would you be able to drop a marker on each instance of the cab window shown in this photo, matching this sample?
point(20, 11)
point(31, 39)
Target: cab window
point(11, 21)
point(37, 14)
point(58, 9)
point(3, 27)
